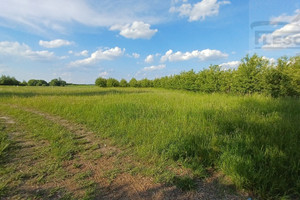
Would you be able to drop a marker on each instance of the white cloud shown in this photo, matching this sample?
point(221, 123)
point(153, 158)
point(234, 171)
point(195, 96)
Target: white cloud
point(153, 67)
point(55, 43)
point(17, 49)
point(109, 54)
point(149, 59)
point(284, 17)
point(284, 37)
point(135, 30)
point(203, 55)
point(230, 65)
point(103, 74)
point(136, 55)
point(271, 60)
point(200, 10)
point(84, 53)
point(40, 16)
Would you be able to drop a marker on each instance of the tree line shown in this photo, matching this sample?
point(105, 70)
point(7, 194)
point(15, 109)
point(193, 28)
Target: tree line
point(255, 74)
point(7, 80)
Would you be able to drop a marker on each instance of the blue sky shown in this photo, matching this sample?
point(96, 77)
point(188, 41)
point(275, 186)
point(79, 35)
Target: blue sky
point(80, 40)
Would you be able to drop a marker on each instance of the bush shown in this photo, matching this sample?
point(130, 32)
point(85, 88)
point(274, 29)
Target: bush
point(7, 80)
point(34, 82)
point(111, 82)
point(57, 82)
point(133, 83)
point(123, 83)
point(101, 82)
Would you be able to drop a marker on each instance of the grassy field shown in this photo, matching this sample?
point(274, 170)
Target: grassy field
point(253, 140)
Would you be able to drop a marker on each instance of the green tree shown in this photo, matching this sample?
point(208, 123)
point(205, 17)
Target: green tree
point(7, 80)
point(32, 82)
point(57, 82)
point(188, 80)
point(41, 83)
point(111, 82)
point(145, 83)
point(133, 83)
point(123, 83)
point(24, 83)
point(248, 78)
point(101, 82)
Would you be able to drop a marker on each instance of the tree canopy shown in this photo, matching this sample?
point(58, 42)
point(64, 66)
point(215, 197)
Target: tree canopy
point(255, 74)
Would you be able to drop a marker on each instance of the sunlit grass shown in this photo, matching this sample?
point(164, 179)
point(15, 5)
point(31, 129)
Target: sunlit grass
point(255, 140)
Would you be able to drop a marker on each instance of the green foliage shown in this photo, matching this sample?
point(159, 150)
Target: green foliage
point(123, 83)
point(57, 82)
point(111, 82)
point(4, 144)
point(24, 83)
point(146, 83)
point(133, 83)
point(254, 75)
point(252, 139)
point(41, 83)
point(248, 78)
point(7, 80)
point(34, 82)
point(101, 82)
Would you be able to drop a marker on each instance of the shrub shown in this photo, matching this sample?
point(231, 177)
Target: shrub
point(7, 80)
point(101, 82)
point(123, 83)
point(111, 82)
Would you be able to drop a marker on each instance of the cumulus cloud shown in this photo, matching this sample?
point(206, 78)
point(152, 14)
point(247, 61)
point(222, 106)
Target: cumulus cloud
point(287, 36)
point(55, 43)
point(149, 59)
point(230, 65)
point(23, 50)
point(206, 54)
point(109, 54)
point(153, 67)
point(200, 10)
point(135, 30)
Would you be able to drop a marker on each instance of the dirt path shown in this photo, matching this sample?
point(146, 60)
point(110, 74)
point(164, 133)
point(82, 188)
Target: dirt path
point(26, 166)
point(102, 165)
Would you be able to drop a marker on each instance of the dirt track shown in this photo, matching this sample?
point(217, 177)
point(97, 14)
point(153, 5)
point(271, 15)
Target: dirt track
point(106, 170)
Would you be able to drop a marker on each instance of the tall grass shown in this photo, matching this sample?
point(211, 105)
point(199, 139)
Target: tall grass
point(255, 140)
point(5, 143)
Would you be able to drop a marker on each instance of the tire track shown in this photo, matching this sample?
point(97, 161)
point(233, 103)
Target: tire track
point(123, 185)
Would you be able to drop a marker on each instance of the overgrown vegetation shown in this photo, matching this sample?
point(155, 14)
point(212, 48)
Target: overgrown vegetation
point(254, 75)
point(252, 139)
point(5, 143)
point(7, 80)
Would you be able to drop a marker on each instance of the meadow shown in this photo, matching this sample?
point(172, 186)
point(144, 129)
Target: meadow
point(254, 140)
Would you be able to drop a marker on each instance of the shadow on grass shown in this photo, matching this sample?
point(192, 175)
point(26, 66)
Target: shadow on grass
point(256, 143)
point(259, 143)
point(37, 193)
point(199, 190)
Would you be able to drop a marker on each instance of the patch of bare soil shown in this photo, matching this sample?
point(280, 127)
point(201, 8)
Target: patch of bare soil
point(25, 166)
point(98, 165)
